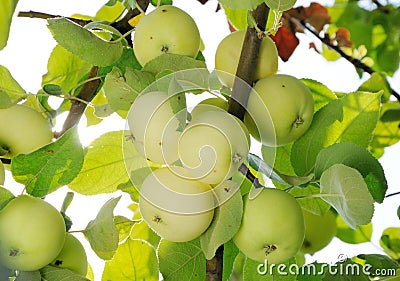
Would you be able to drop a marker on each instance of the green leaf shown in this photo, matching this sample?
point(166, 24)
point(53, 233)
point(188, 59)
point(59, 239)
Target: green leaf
point(64, 69)
point(5, 197)
point(241, 4)
point(10, 91)
point(124, 226)
point(127, 60)
point(259, 165)
point(226, 221)
point(356, 157)
point(110, 13)
point(361, 234)
point(378, 262)
point(134, 260)
point(172, 63)
point(28, 276)
point(182, 261)
point(280, 5)
point(102, 233)
point(352, 118)
point(238, 18)
point(376, 83)
point(390, 242)
point(391, 114)
point(55, 273)
point(312, 204)
point(345, 189)
point(100, 173)
point(84, 43)
point(322, 94)
point(50, 167)
point(387, 132)
point(230, 254)
point(142, 231)
point(7, 8)
point(122, 89)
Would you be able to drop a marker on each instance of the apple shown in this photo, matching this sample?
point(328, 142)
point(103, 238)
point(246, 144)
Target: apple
point(213, 146)
point(167, 29)
point(32, 233)
point(210, 104)
point(22, 130)
point(228, 54)
point(72, 256)
point(279, 110)
point(272, 227)
point(320, 230)
point(155, 127)
point(2, 173)
point(176, 207)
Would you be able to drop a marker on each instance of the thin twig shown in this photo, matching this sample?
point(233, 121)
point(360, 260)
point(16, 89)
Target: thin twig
point(354, 61)
point(40, 15)
point(393, 194)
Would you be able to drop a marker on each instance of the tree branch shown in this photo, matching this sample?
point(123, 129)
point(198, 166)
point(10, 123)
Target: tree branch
point(356, 62)
point(87, 93)
point(237, 103)
point(247, 63)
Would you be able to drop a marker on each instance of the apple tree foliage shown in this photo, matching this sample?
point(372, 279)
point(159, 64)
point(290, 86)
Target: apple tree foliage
point(335, 164)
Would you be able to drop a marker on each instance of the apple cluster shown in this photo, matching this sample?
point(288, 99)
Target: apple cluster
point(33, 235)
point(177, 200)
point(195, 155)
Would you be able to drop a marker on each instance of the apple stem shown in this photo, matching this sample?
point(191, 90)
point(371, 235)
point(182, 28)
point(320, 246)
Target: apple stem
point(13, 253)
point(4, 150)
point(298, 122)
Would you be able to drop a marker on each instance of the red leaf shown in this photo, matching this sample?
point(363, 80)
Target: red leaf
point(317, 16)
point(286, 42)
point(342, 37)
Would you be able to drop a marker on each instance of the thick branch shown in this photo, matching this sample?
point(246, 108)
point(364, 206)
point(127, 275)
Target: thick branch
point(247, 63)
point(87, 93)
point(238, 102)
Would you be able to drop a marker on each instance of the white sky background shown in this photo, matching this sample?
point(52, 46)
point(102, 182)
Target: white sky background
point(29, 47)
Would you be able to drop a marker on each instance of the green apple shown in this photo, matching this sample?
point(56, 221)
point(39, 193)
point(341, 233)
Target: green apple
point(176, 207)
point(22, 130)
point(320, 230)
point(272, 227)
point(210, 104)
point(213, 146)
point(279, 110)
point(167, 29)
point(228, 54)
point(155, 127)
point(72, 256)
point(32, 233)
point(2, 174)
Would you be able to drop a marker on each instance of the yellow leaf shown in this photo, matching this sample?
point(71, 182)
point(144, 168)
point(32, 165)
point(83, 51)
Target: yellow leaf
point(135, 20)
